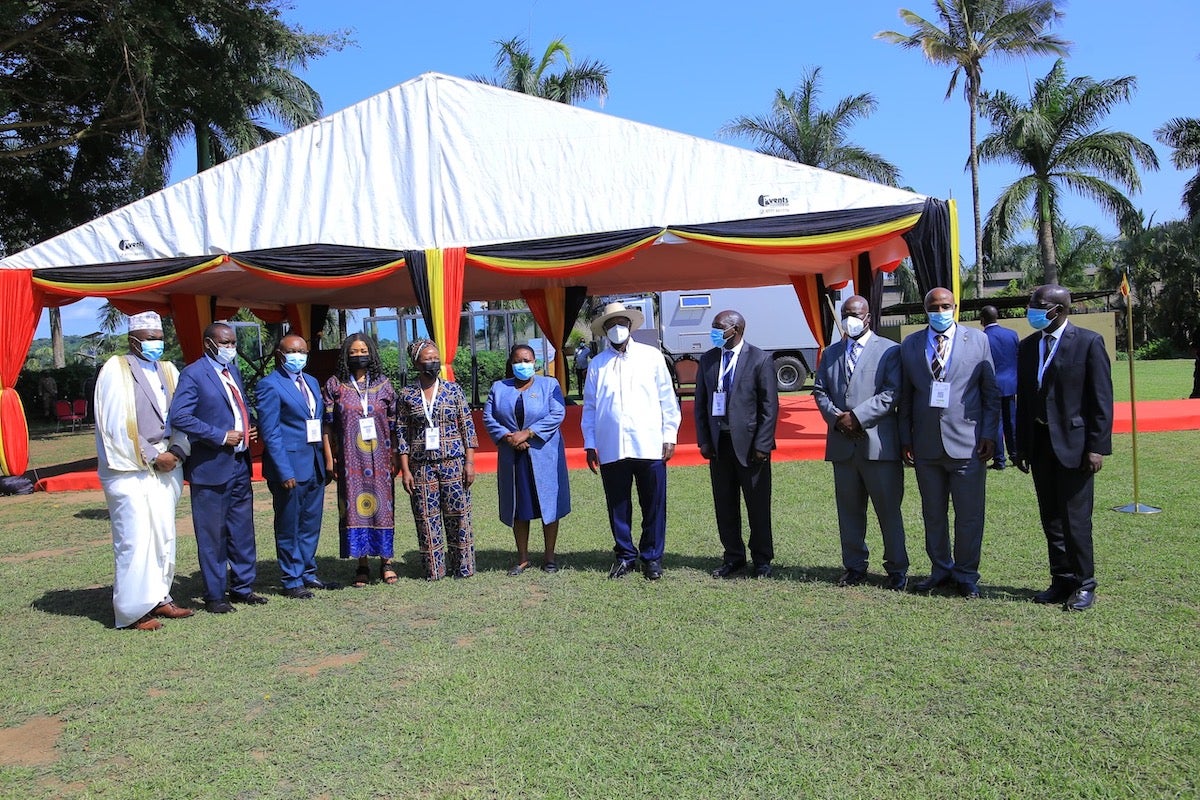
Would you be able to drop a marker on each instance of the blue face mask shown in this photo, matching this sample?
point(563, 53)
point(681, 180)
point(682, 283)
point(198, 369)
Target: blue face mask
point(1038, 318)
point(523, 370)
point(940, 320)
point(717, 336)
point(152, 350)
point(295, 362)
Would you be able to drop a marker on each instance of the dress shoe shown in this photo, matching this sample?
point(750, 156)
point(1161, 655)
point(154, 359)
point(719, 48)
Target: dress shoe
point(249, 598)
point(1081, 600)
point(219, 607)
point(728, 568)
point(851, 577)
point(968, 590)
point(763, 570)
point(897, 582)
point(170, 611)
point(1055, 593)
point(298, 593)
point(929, 584)
point(997, 465)
point(317, 583)
point(652, 569)
point(146, 623)
point(621, 568)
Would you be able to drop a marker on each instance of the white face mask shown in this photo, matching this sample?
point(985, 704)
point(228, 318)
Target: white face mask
point(854, 327)
point(617, 334)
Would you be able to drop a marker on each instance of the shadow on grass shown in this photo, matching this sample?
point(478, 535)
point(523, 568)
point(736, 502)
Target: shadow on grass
point(94, 603)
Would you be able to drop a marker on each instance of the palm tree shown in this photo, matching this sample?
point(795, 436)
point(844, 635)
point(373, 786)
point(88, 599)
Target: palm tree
point(1056, 140)
point(572, 84)
point(1182, 135)
point(797, 129)
point(970, 31)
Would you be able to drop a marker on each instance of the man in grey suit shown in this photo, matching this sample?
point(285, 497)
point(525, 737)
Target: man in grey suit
point(856, 388)
point(949, 415)
point(736, 408)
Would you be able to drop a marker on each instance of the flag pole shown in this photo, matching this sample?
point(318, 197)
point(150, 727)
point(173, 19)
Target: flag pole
point(1135, 507)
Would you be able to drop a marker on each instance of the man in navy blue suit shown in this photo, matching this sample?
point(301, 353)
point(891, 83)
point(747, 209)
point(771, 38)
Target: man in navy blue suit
point(289, 420)
point(1003, 344)
point(210, 407)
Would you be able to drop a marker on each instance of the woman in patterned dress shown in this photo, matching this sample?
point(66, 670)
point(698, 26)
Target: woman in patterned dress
point(522, 416)
point(437, 446)
point(360, 435)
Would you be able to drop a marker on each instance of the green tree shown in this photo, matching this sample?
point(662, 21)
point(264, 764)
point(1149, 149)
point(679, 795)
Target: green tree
point(798, 129)
point(554, 77)
point(1056, 140)
point(1164, 268)
point(971, 31)
point(1182, 135)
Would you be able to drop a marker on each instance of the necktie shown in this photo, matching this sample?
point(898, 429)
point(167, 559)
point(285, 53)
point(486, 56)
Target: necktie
point(852, 357)
point(938, 365)
point(305, 393)
point(1047, 348)
point(727, 380)
point(241, 404)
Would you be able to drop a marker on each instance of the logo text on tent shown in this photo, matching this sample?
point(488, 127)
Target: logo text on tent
point(129, 244)
point(767, 202)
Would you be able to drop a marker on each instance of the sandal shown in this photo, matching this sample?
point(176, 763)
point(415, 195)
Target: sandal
point(518, 569)
point(362, 576)
point(387, 573)
point(550, 567)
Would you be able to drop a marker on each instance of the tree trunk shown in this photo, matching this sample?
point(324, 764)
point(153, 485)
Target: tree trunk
point(56, 338)
point(973, 102)
point(341, 325)
point(1046, 240)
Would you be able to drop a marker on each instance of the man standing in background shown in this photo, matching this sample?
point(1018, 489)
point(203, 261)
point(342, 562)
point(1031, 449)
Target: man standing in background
point(1003, 343)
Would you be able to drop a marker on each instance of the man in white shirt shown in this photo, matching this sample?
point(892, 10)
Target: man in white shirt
point(140, 470)
point(630, 424)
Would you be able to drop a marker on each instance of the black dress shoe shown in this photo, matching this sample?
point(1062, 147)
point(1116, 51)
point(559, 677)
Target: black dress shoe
point(1081, 600)
point(249, 598)
point(652, 569)
point(763, 570)
point(851, 577)
point(1056, 593)
point(728, 568)
point(968, 590)
point(298, 593)
point(218, 607)
point(621, 568)
point(929, 584)
point(897, 582)
point(317, 583)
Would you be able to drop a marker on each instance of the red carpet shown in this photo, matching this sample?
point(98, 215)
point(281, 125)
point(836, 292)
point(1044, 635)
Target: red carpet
point(799, 437)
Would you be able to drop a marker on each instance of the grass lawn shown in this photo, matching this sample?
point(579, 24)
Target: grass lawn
point(574, 686)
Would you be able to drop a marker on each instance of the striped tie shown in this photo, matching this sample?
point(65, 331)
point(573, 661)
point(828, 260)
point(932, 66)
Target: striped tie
point(938, 365)
point(852, 357)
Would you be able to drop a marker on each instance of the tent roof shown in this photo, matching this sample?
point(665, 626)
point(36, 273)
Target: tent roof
point(440, 162)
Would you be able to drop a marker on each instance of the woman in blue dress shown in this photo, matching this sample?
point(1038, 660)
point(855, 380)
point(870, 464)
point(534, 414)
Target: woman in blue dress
point(522, 416)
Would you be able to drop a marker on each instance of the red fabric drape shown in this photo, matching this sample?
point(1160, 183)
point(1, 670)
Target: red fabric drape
point(20, 309)
point(810, 301)
point(546, 305)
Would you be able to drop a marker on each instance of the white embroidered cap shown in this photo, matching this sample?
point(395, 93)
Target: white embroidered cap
point(146, 321)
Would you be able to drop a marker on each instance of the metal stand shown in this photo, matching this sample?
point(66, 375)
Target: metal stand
point(1137, 508)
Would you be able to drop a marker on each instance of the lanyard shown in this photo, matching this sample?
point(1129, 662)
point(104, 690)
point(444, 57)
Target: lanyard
point(725, 371)
point(427, 406)
point(1049, 356)
point(364, 392)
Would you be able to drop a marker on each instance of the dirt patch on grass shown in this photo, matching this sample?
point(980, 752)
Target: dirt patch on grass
point(536, 596)
point(30, 744)
point(329, 662)
point(422, 622)
point(58, 552)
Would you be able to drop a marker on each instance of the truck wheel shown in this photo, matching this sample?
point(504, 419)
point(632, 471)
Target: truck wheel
point(790, 373)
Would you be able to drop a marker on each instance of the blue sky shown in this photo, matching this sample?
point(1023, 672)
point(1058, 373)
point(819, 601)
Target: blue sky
point(693, 66)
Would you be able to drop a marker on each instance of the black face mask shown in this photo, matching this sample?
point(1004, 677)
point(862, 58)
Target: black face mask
point(430, 368)
point(358, 362)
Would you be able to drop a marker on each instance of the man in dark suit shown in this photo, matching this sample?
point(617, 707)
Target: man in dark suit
point(289, 422)
point(1003, 342)
point(210, 407)
point(856, 388)
point(736, 407)
point(1064, 430)
point(949, 415)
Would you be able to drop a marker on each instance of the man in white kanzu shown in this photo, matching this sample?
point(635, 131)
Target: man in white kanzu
point(140, 470)
point(630, 423)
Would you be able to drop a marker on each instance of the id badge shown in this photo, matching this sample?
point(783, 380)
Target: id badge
point(432, 439)
point(314, 431)
point(366, 429)
point(718, 404)
point(939, 394)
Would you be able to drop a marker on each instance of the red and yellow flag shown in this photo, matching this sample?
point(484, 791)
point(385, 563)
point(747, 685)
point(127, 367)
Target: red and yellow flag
point(1125, 285)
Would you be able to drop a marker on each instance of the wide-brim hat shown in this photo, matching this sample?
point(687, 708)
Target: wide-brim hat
point(635, 317)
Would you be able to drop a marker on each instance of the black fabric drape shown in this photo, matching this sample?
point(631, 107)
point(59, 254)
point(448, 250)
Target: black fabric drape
point(418, 271)
point(573, 299)
point(814, 224)
point(121, 271)
point(827, 323)
point(869, 285)
point(929, 244)
point(565, 248)
point(319, 260)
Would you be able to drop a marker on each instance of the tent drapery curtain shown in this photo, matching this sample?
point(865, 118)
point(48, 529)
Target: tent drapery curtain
point(20, 309)
point(933, 244)
point(437, 279)
point(555, 309)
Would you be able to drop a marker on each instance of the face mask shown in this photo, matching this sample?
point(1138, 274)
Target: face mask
point(225, 355)
point(855, 327)
point(523, 370)
point(295, 362)
point(617, 334)
point(940, 320)
point(358, 362)
point(717, 337)
point(152, 350)
point(1038, 318)
point(431, 368)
